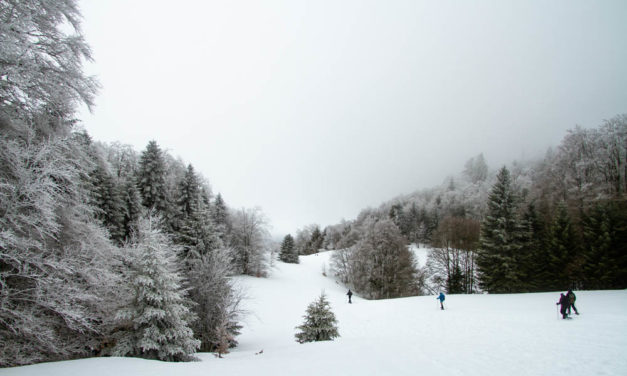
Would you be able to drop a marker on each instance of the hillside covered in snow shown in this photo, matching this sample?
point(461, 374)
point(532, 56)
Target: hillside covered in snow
point(475, 335)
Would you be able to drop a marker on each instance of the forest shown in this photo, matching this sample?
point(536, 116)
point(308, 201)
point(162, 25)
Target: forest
point(107, 251)
point(103, 250)
point(548, 224)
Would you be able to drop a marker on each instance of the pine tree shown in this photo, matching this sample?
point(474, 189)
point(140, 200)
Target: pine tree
point(500, 244)
point(535, 267)
point(107, 198)
point(194, 228)
point(132, 207)
point(151, 179)
point(315, 242)
point(158, 318)
point(288, 251)
point(320, 323)
point(563, 250)
point(598, 234)
point(219, 214)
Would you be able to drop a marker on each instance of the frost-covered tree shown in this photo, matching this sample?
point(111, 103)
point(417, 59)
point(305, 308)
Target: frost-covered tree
point(379, 266)
point(107, 198)
point(476, 169)
point(500, 247)
point(288, 251)
point(41, 55)
point(216, 301)
point(303, 240)
point(194, 229)
point(155, 323)
point(249, 239)
point(320, 323)
point(384, 267)
point(316, 240)
point(56, 264)
point(151, 179)
point(220, 216)
point(132, 207)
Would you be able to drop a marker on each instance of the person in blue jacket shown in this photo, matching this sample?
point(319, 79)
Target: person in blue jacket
point(441, 299)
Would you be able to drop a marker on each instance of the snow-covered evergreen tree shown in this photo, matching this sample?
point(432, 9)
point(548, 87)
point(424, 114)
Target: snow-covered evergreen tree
point(320, 323)
point(499, 255)
point(288, 251)
point(156, 321)
point(194, 229)
point(151, 179)
point(107, 198)
point(220, 216)
point(132, 207)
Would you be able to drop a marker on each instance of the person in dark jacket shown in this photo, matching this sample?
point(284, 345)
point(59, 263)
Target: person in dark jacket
point(571, 301)
point(441, 299)
point(564, 303)
point(349, 293)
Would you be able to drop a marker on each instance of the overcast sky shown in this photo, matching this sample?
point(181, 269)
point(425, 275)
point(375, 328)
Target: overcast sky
point(314, 110)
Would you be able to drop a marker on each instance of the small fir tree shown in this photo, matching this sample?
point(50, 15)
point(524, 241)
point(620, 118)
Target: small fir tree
point(320, 322)
point(288, 251)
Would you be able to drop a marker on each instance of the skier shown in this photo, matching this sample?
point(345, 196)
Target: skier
point(564, 304)
point(349, 293)
point(441, 298)
point(571, 301)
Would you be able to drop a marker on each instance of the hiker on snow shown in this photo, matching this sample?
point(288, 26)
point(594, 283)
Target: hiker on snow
point(441, 299)
point(564, 304)
point(349, 293)
point(571, 301)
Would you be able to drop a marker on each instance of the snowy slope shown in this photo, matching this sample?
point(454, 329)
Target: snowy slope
point(476, 335)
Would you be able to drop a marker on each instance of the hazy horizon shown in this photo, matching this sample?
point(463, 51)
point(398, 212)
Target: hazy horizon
point(315, 111)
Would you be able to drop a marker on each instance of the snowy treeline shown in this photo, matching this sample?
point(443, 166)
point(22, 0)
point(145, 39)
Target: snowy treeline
point(540, 225)
point(103, 250)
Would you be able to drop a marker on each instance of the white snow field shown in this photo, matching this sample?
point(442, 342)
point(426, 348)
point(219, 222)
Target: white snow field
point(485, 335)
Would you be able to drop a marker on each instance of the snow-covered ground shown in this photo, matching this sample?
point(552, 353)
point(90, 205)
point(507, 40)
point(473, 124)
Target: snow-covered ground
point(476, 335)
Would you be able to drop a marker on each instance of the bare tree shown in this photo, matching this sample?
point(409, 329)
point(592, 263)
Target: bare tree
point(452, 260)
point(249, 239)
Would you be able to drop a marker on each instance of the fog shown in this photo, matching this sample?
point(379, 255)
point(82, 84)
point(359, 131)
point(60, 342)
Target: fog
point(316, 110)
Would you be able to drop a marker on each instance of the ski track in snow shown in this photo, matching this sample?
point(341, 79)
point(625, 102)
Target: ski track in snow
point(487, 335)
